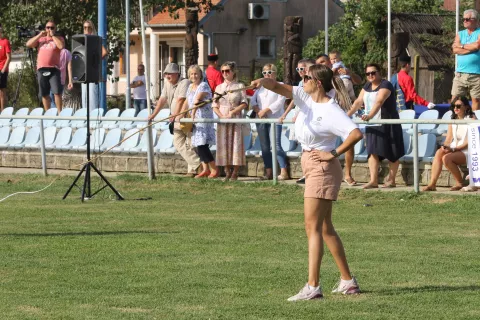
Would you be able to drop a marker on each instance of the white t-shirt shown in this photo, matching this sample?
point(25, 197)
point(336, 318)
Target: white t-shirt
point(139, 93)
point(319, 124)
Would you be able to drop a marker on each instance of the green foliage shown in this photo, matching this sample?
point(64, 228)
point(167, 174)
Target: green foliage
point(361, 34)
point(27, 94)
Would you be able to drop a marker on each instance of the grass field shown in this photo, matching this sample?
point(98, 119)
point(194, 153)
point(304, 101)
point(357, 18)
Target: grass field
point(213, 250)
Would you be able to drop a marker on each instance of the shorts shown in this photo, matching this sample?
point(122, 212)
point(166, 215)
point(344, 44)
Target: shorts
point(322, 178)
point(49, 80)
point(465, 84)
point(3, 80)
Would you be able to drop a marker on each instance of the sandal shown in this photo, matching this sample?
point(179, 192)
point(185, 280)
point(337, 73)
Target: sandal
point(389, 185)
point(456, 188)
point(351, 182)
point(234, 177)
point(469, 189)
point(429, 188)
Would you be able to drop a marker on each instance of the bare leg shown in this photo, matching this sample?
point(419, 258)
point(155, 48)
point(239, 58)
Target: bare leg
point(475, 104)
point(3, 98)
point(314, 212)
point(436, 167)
point(335, 245)
point(349, 155)
point(392, 173)
point(58, 102)
point(235, 172)
point(46, 102)
point(452, 161)
point(228, 172)
point(213, 166)
point(373, 165)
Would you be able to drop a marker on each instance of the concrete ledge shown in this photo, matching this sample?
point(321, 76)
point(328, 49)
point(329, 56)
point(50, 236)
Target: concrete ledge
point(175, 164)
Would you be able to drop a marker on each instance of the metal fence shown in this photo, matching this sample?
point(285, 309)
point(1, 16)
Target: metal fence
point(414, 122)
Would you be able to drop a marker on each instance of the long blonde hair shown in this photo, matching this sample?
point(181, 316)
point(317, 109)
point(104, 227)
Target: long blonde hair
point(94, 30)
point(329, 82)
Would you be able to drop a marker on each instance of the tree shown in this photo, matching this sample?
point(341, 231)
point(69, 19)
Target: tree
point(361, 34)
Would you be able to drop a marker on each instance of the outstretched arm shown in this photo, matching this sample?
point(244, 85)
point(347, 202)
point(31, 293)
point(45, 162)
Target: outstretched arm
point(272, 85)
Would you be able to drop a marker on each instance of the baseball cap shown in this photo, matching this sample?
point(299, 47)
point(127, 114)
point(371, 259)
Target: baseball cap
point(172, 68)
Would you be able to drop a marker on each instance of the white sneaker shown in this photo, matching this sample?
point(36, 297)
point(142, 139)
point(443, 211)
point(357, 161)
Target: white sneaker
point(347, 287)
point(307, 294)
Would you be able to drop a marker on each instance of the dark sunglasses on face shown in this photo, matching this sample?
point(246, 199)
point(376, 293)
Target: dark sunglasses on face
point(267, 72)
point(49, 27)
point(87, 27)
point(307, 78)
point(226, 71)
point(300, 69)
point(370, 73)
point(468, 19)
point(457, 106)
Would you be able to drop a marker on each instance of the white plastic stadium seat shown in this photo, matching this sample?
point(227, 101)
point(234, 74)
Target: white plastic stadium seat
point(20, 122)
point(6, 112)
point(165, 142)
point(164, 113)
point(113, 137)
point(79, 139)
point(96, 140)
point(16, 137)
point(255, 150)
point(143, 144)
point(32, 137)
point(63, 138)
point(129, 143)
point(67, 112)
point(95, 114)
point(407, 115)
point(443, 128)
point(4, 135)
point(297, 152)
point(143, 114)
point(34, 122)
point(112, 113)
point(427, 145)
point(50, 113)
point(79, 123)
point(426, 127)
point(49, 134)
point(123, 124)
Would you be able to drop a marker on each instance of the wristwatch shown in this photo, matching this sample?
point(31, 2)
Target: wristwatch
point(334, 153)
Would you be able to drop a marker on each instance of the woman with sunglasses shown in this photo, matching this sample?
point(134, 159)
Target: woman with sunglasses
point(383, 141)
point(230, 148)
point(93, 91)
point(320, 121)
point(302, 68)
point(454, 151)
point(268, 104)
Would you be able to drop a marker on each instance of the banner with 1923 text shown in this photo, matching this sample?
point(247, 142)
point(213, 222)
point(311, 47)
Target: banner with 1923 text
point(474, 154)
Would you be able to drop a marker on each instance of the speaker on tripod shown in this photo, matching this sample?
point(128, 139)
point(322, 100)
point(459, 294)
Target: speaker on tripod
point(87, 68)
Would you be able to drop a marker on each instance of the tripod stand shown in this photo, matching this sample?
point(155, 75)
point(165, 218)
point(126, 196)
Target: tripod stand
point(87, 168)
point(28, 55)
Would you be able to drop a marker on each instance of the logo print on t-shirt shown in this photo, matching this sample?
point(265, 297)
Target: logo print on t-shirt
point(319, 119)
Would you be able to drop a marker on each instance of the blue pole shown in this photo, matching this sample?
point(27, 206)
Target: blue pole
point(102, 32)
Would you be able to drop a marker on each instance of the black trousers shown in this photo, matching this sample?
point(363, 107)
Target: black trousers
point(205, 154)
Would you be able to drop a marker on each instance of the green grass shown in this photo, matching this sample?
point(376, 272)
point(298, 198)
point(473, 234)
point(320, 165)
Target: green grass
point(210, 250)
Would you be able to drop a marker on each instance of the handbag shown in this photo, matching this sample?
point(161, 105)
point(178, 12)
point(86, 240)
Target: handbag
point(186, 127)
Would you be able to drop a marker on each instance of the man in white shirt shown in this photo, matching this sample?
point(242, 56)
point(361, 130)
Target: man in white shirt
point(139, 90)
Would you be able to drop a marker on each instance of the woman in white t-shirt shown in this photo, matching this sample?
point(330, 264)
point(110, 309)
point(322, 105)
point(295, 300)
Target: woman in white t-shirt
point(320, 121)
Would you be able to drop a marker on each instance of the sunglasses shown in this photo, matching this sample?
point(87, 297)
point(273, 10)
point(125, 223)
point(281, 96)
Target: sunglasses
point(370, 74)
point(267, 72)
point(458, 106)
point(226, 71)
point(468, 19)
point(300, 69)
point(87, 27)
point(307, 78)
point(51, 28)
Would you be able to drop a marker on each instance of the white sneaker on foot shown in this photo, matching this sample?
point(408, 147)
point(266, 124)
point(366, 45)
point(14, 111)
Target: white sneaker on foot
point(347, 286)
point(307, 294)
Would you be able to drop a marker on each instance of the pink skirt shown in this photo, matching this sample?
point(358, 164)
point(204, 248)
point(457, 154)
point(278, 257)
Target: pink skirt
point(322, 178)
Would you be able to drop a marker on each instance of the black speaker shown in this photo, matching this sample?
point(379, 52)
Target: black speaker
point(86, 58)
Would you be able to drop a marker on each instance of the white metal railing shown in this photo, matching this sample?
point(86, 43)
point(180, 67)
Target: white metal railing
point(414, 122)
